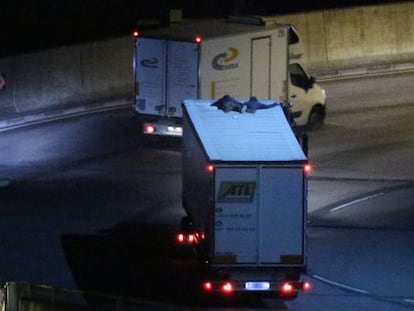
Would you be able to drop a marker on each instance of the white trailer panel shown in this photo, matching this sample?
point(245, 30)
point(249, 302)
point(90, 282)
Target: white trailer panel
point(167, 72)
point(150, 62)
point(261, 67)
point(259, 215)
point(226, 66)
point(245, 64)
point(261, 136)
point(236, 211)
point(282, 215)
point(182, 75)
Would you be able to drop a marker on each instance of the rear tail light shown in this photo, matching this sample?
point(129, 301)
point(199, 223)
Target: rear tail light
point(207, 286)
point(149, 129)
point(180, 238)
point(210, 168)
point(307, 286)
point(287, 288)
point(307, 168)
point(227, 288)
point(187, 238)
point(191, 238)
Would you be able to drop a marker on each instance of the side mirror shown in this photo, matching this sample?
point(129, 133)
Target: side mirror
point(309, 83)
point(296, 114)
point(312, 80)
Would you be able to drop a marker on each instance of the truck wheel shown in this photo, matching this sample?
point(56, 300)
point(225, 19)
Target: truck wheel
point(316, 118)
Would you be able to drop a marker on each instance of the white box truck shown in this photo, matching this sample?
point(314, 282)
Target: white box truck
point(244, 190)
point(211, 58)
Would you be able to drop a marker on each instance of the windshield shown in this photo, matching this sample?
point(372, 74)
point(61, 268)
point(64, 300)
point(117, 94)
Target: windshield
point(298, 76)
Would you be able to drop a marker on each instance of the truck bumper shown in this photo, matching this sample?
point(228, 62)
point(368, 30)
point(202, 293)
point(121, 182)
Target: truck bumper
point(163, 127)
point(285, 289)
point(281, 283)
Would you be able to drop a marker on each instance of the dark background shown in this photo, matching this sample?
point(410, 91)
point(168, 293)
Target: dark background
point(30, 25)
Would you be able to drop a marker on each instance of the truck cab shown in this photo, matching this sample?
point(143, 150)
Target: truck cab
point(307, 97)
point(212, 58)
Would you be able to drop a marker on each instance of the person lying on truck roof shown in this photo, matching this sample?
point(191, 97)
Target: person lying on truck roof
point(228, 103)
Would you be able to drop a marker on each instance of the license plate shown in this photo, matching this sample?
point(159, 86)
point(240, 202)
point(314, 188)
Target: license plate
point(175, 130)
point(257, 285)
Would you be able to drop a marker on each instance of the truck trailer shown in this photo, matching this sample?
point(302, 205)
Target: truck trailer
point(244, 191)
point(240, 57)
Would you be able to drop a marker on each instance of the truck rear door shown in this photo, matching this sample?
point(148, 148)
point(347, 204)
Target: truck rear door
point(281, 215)
point(261, 66)
point(166, 73)
point(259, 216)
point(150, 75)
point(182, 75)
point(236, 215)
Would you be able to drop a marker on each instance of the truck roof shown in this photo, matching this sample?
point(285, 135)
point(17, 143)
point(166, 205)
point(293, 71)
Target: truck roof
point(206, 28)
point(233, 136)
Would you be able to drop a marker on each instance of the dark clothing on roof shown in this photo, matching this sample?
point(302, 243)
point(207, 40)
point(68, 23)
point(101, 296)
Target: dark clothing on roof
point(228, 103)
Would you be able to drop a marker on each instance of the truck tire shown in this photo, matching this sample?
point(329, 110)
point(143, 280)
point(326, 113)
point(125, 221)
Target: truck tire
point(316, 118)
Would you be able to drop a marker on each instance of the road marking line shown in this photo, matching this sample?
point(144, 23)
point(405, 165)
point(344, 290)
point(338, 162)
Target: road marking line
point(346, 287)
point(356, 201)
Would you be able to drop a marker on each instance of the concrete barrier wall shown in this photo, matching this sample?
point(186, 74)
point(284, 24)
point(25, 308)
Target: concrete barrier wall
point(97, 71)
point(356, 36)
point(102, 71)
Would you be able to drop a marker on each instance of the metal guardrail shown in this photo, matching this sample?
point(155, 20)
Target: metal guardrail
point(54, 114)
point(24, 296)
point(30, 297)
point(373, 70)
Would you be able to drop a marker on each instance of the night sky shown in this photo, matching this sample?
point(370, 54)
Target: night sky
point(30, 25)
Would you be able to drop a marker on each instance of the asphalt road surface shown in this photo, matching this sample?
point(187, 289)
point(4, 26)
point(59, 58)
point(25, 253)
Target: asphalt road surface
point(90, 203)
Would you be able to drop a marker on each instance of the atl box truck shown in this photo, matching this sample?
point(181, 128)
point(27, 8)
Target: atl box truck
point(244, 190)
point(211, 58)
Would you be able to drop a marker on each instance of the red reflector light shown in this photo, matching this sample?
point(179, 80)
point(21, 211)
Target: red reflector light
point(227, 288)
point(135, 33)
point(307, 286)
point(183, 238)
point(191, 238)
point(287, 288)
point(180, 238)
point(210, 168)
point(207, 286)
point(149, 129)
point(198, 39)
point(307, 168)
